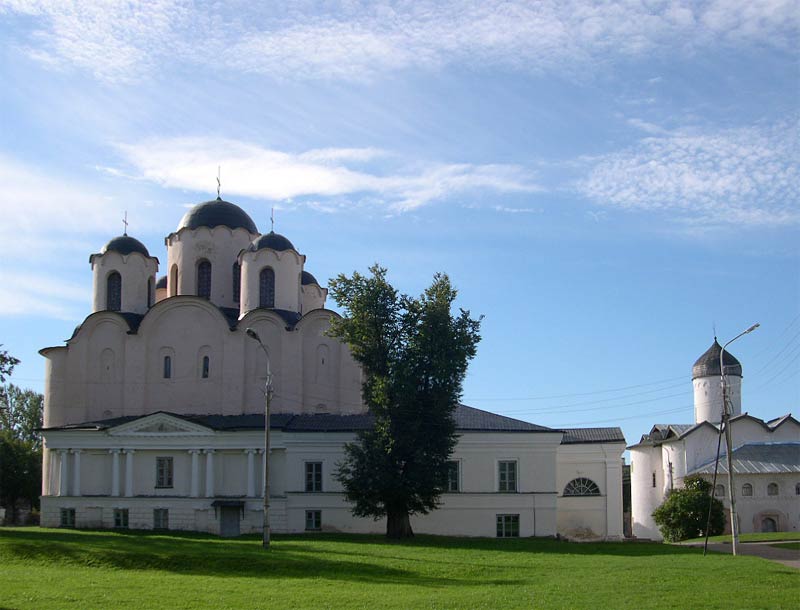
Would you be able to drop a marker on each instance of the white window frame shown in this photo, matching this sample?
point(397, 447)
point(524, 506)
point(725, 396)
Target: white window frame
point(451, 488)
point(67, 517)
point(501, 483)
point(314, 484)
point(165, 477)
point(160, 518)
point(507, 525)
point(121, 518)
point(313, 520)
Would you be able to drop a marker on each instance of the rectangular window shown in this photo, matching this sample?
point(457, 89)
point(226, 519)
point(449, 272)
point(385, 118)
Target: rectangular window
point(313, 476)
point(67, 517)
point(508, 526)
point(164, 472)
point(453, 476)
point(121, 517)
point(313, 520)
point(160, 518)
point(508, 476)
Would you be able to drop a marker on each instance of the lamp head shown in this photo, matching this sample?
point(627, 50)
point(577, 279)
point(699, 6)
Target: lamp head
point(253, 334)
point(752, 328)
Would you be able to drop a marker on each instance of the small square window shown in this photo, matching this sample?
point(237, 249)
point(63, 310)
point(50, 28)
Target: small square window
point(453, 476)
point(160, 518)
point(314, 476)
point(67, 517)
point(507, 476)
point(121, 518)
point(313, 520)
point(508, 526)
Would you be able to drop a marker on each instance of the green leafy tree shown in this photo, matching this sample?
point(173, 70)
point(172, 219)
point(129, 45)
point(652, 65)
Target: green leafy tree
point(684, 513)
point(20, 442)
point(21, 414)
point(414, 354)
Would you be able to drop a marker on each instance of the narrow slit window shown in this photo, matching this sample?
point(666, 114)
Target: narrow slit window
point(205, 367)
point(204, 280)
point(237, 282)
point(167, 367)
point(114, 292)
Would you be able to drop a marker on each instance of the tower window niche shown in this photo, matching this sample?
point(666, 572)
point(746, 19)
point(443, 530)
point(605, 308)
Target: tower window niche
point(204, 279)
point(205, 367)
point(114, 292)
point(266, 288)
point(167, 367)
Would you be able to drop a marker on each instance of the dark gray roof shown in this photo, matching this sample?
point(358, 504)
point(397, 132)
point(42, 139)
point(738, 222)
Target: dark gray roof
point(707, 365)
point(467, 419)
point(574, 436)
point(162, 282)
point(217, 213)
point(125, 244)
point(306, 278)
point(133, 321)
point(273, 241)
point(758, 458)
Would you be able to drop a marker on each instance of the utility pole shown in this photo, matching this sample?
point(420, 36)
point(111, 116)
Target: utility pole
point(726, 422)
point(267, 400)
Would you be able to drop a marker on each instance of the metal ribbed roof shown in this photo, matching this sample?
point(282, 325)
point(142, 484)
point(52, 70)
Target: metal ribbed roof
point(574, 436)
point(707, 365)
point(759, 458)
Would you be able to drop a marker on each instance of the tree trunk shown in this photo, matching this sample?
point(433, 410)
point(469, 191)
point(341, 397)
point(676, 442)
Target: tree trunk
point(398, 525)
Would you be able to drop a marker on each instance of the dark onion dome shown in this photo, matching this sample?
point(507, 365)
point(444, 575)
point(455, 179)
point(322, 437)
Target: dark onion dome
point(272, 240)
point(162, 282)
point(124, 244)
point(707, 365)
point(217, 213)
point(306, 278)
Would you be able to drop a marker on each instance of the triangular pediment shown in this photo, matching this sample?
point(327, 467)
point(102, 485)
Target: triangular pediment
point(160, 424)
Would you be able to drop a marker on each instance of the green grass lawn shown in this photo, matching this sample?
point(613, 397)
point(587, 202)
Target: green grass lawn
point(42, 569)
point(757, 537)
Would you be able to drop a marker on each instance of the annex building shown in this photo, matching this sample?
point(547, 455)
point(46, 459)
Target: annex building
point(765, 456)
point(154, 408)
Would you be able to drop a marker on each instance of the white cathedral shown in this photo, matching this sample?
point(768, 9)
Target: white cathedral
point(765, 456)
point(154, 408)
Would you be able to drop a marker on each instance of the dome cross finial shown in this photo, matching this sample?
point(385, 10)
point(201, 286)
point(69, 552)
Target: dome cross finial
point(219, 184)
point(125, 222)
point(272, 219)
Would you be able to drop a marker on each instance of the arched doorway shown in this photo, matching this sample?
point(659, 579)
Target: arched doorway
point(768, 524)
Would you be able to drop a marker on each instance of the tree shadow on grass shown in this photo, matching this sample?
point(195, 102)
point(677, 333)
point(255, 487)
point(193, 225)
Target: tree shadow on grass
point(198, 554)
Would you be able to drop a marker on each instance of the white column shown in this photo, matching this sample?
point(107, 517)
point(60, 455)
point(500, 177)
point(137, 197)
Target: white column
point(195, 482)
point(129, 472)
point(209, 473)
point(62, 475)
point(76, 472)
point(263, 473)
point(251, 472)
point(114, 472)
point(614, 529)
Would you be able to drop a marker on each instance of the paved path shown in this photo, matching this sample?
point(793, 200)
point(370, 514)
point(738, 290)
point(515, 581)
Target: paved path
point(788, 557)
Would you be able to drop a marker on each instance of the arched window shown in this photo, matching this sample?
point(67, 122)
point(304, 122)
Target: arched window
point(205, 367)
point(167, 367)
point(114, 292)
point(797, 489)
point(581, 487)
point(747, 489)
point(173, 281)
point(237, 282)
point(266, 288)
point(719, 491)
point(772, 489)
point(204, 279)
point(150, 291)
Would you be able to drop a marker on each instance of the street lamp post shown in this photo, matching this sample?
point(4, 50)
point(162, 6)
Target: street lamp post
point(267, 399)
point(726, 420)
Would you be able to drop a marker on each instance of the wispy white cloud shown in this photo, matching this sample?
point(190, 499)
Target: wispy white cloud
point(747, 176)
point(254, 171)
point(123, 39)
point(35, 294)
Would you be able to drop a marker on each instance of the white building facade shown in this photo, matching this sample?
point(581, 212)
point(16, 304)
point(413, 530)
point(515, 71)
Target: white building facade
point(766, 457)
point(154, 408)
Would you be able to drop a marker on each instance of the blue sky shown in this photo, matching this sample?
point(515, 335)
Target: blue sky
point(605, 182)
